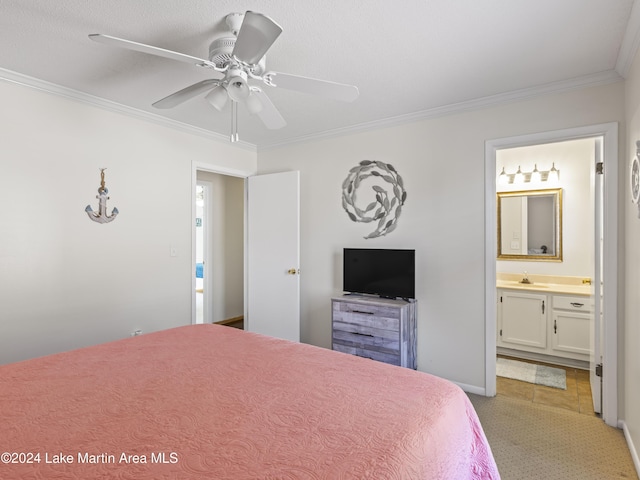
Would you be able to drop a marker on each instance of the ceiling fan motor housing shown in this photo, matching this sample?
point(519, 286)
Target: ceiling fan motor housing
point(220, 50)
point(220, 53)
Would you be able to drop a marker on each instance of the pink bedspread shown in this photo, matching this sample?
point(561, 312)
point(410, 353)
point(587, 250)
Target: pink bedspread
point(213, 402)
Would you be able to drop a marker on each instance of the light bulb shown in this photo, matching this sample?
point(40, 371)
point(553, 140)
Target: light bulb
point(519, 176)
point(535, 175)
point(217, 97)
point(238, 88)
point(503, 179)
point(254, 105)
point(554, 174)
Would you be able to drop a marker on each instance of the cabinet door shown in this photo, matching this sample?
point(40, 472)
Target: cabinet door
point(571, 332)
point(523, 320)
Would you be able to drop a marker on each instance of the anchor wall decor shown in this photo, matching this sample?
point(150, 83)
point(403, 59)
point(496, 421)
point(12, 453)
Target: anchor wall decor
point(101, 216)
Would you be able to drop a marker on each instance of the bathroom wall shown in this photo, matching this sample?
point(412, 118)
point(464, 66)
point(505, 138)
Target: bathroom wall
point(575, 159)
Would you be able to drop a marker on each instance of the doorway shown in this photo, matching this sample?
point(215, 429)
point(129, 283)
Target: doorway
point(202, 301)
point(282, 303)
point(604, 263)
point(219, 249)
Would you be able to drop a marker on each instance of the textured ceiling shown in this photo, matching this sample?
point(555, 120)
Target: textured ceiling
point(408, 59)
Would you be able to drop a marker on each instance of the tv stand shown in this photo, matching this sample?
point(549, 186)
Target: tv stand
point(378, 328)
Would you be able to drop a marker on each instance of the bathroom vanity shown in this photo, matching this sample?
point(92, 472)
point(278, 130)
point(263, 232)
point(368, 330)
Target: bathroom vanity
point(549, 318)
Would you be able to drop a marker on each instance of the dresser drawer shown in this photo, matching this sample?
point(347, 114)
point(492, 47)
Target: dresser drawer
point(390, 344)
point(390, 358)
point(341, 319)
point(579, 304)
point(385, 311)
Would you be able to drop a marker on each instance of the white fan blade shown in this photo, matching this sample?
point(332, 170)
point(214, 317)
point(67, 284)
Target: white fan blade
point(256, 35)
point(141, 47)
point(333, 90)
point(186, 93)
point(269, 114)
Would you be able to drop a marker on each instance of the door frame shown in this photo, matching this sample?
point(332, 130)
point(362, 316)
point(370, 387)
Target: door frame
point(609, 134)
point(198, 166)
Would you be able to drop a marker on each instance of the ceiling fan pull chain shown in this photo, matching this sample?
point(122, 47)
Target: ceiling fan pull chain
point(234, 121)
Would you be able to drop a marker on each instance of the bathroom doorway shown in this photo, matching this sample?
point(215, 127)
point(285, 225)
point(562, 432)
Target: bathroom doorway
point(601, 207)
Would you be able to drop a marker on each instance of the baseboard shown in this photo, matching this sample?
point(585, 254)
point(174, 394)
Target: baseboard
point(632, 448)
point(472, 389)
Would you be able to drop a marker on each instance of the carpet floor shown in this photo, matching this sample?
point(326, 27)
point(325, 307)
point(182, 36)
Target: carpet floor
point(531, 441)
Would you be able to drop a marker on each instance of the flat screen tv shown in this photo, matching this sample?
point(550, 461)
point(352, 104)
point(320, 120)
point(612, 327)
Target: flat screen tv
point(385, 272)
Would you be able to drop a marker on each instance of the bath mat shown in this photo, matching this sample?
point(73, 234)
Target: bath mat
point(532, 373)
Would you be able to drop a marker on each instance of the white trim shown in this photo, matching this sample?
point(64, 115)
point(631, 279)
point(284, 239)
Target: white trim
point(491, 253)
point(630, 42)
point(632, 447)
point(473, 389)
point(609, 132)
point(592, 80)
point(26, 81)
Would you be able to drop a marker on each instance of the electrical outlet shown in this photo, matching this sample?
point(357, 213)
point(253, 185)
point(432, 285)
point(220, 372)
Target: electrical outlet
point(135, 333)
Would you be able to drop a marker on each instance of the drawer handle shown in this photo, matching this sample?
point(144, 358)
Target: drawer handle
point(360, 311)
point(577, 305)
point(363, 334)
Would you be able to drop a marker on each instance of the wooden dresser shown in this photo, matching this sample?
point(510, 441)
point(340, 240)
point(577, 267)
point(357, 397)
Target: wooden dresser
point(377, 328)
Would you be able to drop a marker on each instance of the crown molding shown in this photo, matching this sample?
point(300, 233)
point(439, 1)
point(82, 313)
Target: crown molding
point(585, 81)
point(601, 78)
point(48, 87)
point(630, 42)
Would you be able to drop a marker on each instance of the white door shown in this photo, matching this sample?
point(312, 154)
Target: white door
point(595, 358)
point(273, 255)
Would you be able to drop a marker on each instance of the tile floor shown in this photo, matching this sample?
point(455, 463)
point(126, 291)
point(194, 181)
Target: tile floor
point(577, 396)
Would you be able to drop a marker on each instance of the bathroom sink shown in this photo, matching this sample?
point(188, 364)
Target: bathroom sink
point(514, 283)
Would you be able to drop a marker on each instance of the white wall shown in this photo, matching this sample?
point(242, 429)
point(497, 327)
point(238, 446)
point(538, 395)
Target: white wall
point(575, 160)
point(65, 281)
point(442, 163)
point(629, 332)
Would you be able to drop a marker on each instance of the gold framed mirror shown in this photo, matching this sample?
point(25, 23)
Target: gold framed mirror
point(530, 225)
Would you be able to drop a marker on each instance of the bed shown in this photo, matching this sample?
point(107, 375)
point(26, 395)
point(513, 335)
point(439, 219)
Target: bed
point(214, 402)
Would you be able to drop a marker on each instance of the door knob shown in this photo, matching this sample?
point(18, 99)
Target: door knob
point(293, 271)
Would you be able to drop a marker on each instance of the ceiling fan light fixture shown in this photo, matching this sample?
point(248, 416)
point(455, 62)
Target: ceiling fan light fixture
point(217, 97)
point(253, 103)
point(237, 86)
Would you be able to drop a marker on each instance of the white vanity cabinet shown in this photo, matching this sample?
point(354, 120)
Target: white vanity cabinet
point(571, 326)
point(522, 320)
point(548, 324)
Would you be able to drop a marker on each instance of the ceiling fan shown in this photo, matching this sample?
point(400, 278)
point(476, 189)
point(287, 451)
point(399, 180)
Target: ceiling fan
point(239, 63)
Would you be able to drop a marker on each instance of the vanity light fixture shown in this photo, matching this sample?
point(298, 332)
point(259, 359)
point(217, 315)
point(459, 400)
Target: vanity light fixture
point(503, 179)
point(554, 174)
point(536, 176)
point(519, 178)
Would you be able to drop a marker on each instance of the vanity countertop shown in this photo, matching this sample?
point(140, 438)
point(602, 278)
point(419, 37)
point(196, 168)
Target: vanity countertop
point(546, 283)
